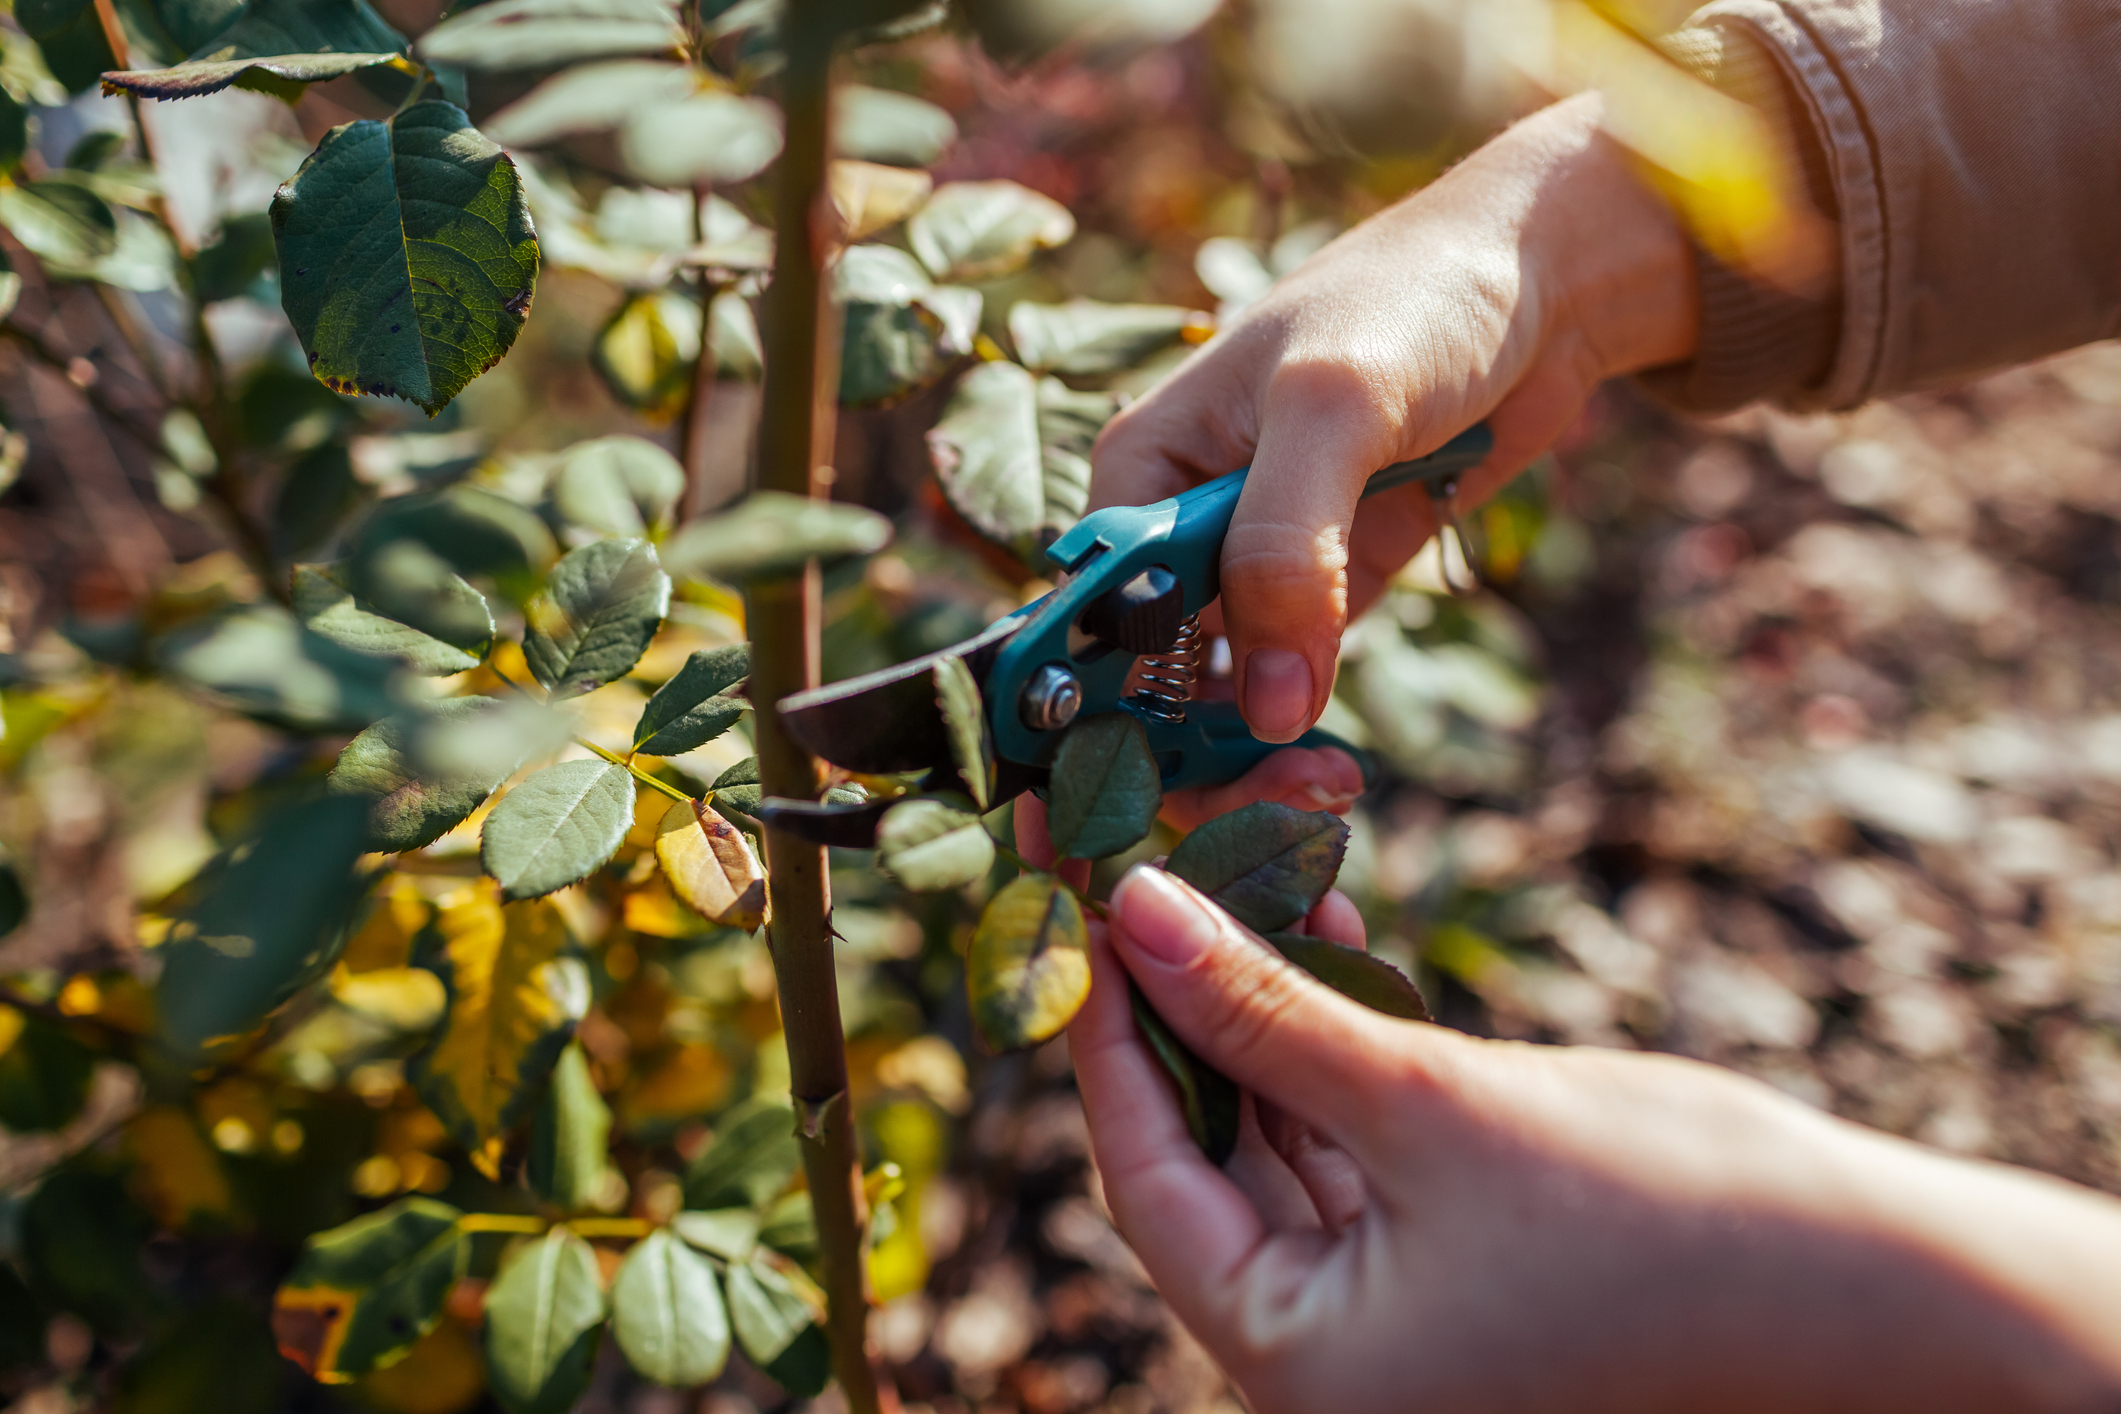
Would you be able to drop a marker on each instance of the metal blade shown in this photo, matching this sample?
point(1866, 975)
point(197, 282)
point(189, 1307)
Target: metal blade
point(887, 721)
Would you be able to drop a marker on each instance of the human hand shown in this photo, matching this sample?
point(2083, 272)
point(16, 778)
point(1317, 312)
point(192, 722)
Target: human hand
point(1508, 289)
point(1417, 1218)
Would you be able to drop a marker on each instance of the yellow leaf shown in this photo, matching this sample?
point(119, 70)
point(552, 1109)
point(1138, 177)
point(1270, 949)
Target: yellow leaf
point(1028, 968)
point(443, 1373)
point(653, 909)
point(403, 998)
point(870, 196)
point(177, 1175)
point(516, 986)
point(694, 1081)
point(385, 939)
point(710, 865)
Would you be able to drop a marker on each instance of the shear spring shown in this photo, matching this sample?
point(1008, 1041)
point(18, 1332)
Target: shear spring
point(1167, 678)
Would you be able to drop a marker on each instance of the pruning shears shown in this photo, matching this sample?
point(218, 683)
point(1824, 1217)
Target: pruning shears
point(1120, 633)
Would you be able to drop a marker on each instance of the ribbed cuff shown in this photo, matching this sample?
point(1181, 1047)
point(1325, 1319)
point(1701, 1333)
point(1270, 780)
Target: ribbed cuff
point(1756, 341)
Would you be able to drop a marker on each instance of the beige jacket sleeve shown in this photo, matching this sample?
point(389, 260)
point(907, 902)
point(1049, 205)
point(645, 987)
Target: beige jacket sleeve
point(1970, 152)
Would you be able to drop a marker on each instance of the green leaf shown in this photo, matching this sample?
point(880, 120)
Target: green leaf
point(624, 486)
point(790, 1228)
point(44, 1073)
point(473, 531)
point(517, 986)
point(737, 795)
point(271, 919)
point(667, 1313)
point(14, 132)
point(929, 845)
point(364, 1292)
point(601, 607)
point(1375, 983)
point(263, 662)
point(752, 1159)
point(284, 76)
point(703, 700)
point(1086, 337)
point(983, 230)
point(232, 265)
point(1028, 967)
point(771, 1304)
point(543, 34)
point(328, 608)
point(729, 1233)
point(1266, 864)
point(14, 899)
point(710, 866)
point(646, 352)
point(708, 139)
point(193, 24)
point(901, 331)
point(71, 39)
point(59, 222)
point(879, 125)
point(407, 259)
point(1012, 452)
point(1207, 1097)
point(408, 807)
point(569, 1132)
point(586, 99)
point(543, 1316)
point(557, 827)
point(964, 712)
point(80, 1240)
point(1105, 789)
point(774, 533)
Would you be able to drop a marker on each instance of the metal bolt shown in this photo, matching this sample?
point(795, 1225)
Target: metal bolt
point(1051, 699)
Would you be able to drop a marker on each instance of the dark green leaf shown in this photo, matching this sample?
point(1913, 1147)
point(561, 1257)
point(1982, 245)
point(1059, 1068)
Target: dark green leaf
point(1106, 788)
point(329, 609)
point(557, 827)
point(425, 284)
point(44, 1073)
point(269, 28)
point(193, 24)
point(1086, 337)
point(624, 486)
point(543, 1315)
point(981, 230)
point(568, 1134)
point(14, 899)
point(14, 132)
point(1027, 969)
point(931, 844)
point(1375, 983)
point(901, 331)
point(708, 139)
point(1012, 452)
point(753, 1157)
point(541, 34)
point(696, 706)
point(878, 125)
point(1206, 1096)
point(474, 532)
point(284, 411)
point(964, 712)
point(80, 1236)
point(271, 920)
point(729, 1233)
point(217, 1356)
point(667, 1313)
point(409, 807)
point(1267, 864)
point(70, 37)
point(363, 1292)
point(771, 1303)
point(774, 533)
point(790, 1227)
point(737, 795)
point(265, 663)
point(232, 264)
point(587, 99)
point(60, 222)
point(317, 494)
point(601, 607)
point(283, 77)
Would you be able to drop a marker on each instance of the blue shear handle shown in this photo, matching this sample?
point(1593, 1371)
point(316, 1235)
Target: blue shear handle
point(1184, 535)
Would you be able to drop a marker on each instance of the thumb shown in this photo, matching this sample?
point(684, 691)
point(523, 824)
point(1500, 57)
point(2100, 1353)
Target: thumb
point(1267, 1025)
point(1285, 560)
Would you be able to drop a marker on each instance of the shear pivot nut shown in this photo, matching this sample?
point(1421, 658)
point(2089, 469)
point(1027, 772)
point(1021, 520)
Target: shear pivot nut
point(1051, 699)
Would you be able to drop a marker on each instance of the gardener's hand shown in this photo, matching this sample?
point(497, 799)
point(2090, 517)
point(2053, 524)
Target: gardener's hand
point(1509, 289)
point(1438, 1222)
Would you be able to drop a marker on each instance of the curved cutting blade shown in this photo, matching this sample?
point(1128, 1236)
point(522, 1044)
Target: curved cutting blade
point(885, 722)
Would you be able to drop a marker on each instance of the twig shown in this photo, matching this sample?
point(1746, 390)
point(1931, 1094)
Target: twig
point(638, 774)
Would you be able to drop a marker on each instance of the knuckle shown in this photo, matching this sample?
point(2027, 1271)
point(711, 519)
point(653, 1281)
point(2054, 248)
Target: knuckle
point(1251, 999)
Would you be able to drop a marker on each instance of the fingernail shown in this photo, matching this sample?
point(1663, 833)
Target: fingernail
point(1159, 918)
point(1277, 694)
point(1320, 798)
